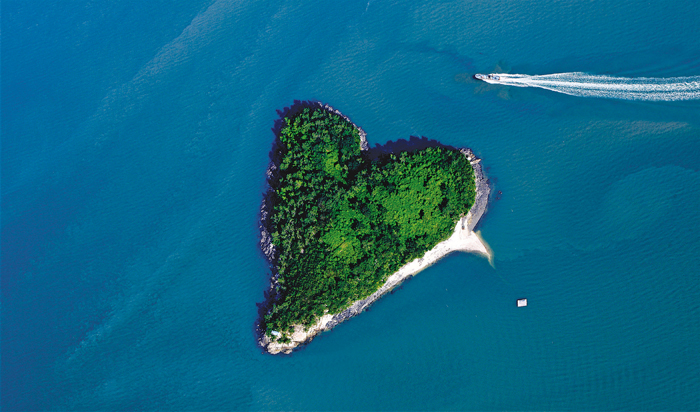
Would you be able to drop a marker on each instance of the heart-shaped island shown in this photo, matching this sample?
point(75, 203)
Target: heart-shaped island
point(341, 228)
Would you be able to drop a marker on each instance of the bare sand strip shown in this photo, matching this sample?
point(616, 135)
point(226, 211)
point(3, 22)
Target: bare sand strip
point(463, 239)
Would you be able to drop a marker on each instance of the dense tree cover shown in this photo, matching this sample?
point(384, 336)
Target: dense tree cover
point(342, 224)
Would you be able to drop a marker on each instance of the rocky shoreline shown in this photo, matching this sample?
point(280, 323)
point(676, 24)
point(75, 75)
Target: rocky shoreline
point(462, 239)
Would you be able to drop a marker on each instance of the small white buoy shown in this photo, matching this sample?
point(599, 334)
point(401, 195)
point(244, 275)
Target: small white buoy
point(522, 302)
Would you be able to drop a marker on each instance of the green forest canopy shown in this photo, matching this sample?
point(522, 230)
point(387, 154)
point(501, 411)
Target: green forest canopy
point(342, 223)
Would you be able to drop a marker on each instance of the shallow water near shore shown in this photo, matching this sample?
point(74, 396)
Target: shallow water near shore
point(135, 143)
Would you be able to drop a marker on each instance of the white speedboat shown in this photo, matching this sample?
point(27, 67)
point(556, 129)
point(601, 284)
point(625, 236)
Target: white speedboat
point(487, 77)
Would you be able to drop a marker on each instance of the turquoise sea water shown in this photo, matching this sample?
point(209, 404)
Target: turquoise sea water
point(135, 138)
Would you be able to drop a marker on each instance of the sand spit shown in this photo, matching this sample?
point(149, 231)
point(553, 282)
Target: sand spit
point(463, 239)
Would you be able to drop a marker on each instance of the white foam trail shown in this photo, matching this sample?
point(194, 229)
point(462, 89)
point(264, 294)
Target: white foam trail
point(583, 84)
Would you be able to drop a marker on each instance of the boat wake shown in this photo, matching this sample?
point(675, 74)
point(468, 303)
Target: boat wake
point(583, 84)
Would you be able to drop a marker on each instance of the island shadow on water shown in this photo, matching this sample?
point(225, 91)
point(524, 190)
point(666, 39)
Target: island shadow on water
point(378, 153)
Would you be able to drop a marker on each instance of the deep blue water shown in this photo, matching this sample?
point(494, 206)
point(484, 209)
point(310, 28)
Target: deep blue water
point(135, 138)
